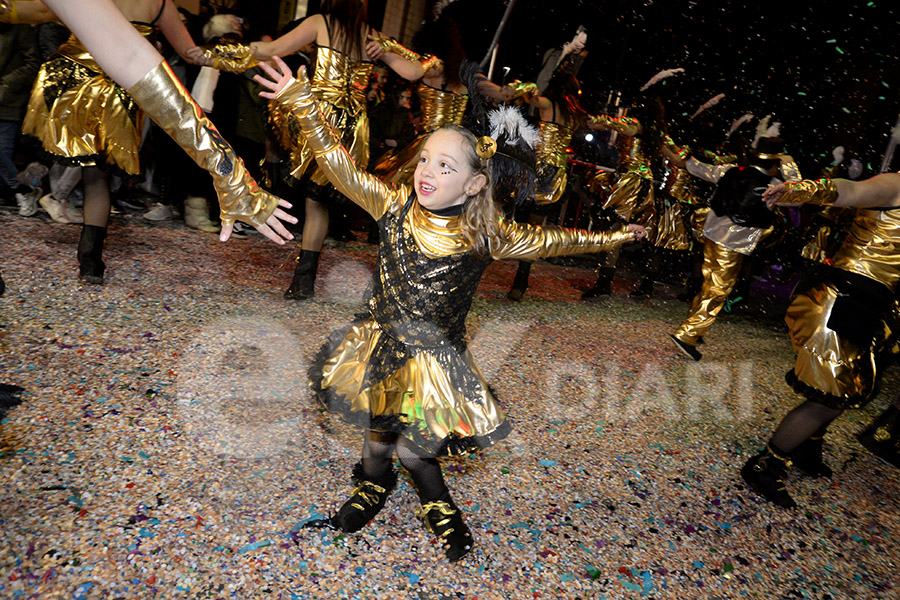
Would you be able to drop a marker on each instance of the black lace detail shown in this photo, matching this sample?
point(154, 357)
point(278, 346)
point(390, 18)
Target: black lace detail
point(825, 399)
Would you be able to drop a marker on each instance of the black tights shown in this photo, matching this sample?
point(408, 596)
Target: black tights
point(810, 419)
point(378, 451)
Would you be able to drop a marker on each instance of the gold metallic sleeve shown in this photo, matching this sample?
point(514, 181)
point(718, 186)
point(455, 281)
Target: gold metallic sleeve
point(391, 45)
point(682, 152)
point(8, 12)
point(522, 88)
point(162, 96)
point(623, 125)
point(364, 189)
point(430, 61)
point(530, 242)
point(234, 58)
point(820, 192)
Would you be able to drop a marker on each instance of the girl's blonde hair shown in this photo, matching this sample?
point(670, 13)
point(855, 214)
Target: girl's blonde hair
point(479, 220)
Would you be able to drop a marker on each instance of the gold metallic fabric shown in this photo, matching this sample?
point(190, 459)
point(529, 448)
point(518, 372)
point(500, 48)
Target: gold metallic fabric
point(551, 155)
point(721, 268)
point(827, 361)
point(438, 108)
point(234, 58)
point(391, 45)
point(670, 231)
point(80, 115)
point(872, 247)
point(8, 12)
point(340, 86)
point(626, 126)
point(163, 97)
point(820, 192)
point(632, 195)
point(421, 393)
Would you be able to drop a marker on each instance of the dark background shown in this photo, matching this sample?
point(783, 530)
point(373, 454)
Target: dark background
point(827, 71)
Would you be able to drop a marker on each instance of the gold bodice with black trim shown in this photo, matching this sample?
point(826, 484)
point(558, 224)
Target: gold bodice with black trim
point(872, 247)
point(339, 80)
point(440, 107)
point(553, 142)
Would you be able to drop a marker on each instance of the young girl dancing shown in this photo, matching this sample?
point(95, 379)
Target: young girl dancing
point(403, 372)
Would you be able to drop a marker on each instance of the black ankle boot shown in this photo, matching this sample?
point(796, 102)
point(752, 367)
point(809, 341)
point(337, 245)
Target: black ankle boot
point(366, 500)
point(644, 290)
point(882, 437)
point(2, 285)
point(603, 285)
point(520, 282)
point(765, 474)
point(90, 254)
point(444, 519)
point(303, 283)
point(808, 458)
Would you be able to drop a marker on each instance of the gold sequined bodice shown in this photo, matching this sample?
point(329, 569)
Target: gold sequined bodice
point(872, 247)
point(553, 142)
point(440, 107)
point(339, 80)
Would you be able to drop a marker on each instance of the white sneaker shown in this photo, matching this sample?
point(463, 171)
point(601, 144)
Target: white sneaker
point(28, 203)
point(54, 208)
point(159, 212)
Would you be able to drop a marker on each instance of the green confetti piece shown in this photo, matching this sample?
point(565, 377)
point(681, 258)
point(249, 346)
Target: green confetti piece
point(830, 41)
point(846, 110)
point(838, 48)
point(801, 93)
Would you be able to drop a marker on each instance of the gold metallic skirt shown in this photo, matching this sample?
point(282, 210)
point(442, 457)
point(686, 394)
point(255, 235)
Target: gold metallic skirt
point(631, 196)
point(421, 399)
point(829, 369)
point(398, 165)
point(81, 117)
point(556, 178)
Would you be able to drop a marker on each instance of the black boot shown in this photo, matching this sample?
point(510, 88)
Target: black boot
point(765, 474)
point(303, 283)
point(2, 285)
point(808, 458)
point(882, 437)
point(520, 282)
point(603, 285)
point(90, 254)
point(644, 290)
point(366, 500)
point(444, 519)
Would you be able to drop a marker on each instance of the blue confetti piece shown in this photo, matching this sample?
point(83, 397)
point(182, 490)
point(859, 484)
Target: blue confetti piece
point(548, 463)
point(724, 525)
point(698, 564)
point(82, 590)
point(648, 583)
point(254, 546)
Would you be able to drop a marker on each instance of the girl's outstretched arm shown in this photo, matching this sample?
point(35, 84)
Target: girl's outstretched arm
point(364, 189)
point(530, 242)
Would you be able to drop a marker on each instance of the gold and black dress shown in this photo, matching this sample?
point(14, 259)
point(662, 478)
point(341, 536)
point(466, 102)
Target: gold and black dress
point(836, 319)
point(339, 84)
point(80, 117)
point(551, 159)
point(439, 107)
point(404, 365)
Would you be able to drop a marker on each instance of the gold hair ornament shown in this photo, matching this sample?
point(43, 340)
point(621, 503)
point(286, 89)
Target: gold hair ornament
point(486, 147)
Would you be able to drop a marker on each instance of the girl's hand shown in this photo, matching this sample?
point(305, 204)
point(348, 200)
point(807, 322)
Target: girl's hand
point(195, 56)
point(773, 194)
point(273, 228)
point(373, 48)
point(262, 50)
point(637, 231)
point(277, 79)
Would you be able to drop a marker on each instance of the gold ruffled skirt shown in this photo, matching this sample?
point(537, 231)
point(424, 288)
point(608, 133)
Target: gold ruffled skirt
point(81, 117)
point(829, 368)
point(420, 399)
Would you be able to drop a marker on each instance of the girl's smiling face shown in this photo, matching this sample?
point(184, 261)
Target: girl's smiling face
point(443, 176)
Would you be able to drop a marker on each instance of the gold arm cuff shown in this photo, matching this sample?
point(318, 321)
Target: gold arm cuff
point(431, 62)
point(391, 45)
point(522, 88)
point(8, 12)
point(682, 152)
point(162, 96)
point(234, 58)
point(621, 125)
point(820, 192)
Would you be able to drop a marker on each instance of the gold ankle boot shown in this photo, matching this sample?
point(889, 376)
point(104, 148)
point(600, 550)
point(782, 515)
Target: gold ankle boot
point(162, 96)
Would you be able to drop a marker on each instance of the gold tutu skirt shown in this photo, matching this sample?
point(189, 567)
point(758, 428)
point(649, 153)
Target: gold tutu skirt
point(423, 398)
point(829, 369)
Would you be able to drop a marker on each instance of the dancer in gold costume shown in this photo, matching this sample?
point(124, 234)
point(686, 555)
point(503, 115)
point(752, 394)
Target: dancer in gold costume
point(340, 76)
point(80, 116)
point(836, 327)
point(403, 371)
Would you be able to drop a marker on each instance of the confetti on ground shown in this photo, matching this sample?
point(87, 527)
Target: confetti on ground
point(167, 445)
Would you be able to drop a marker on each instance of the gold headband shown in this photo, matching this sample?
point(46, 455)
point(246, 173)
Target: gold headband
point(485, 147)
